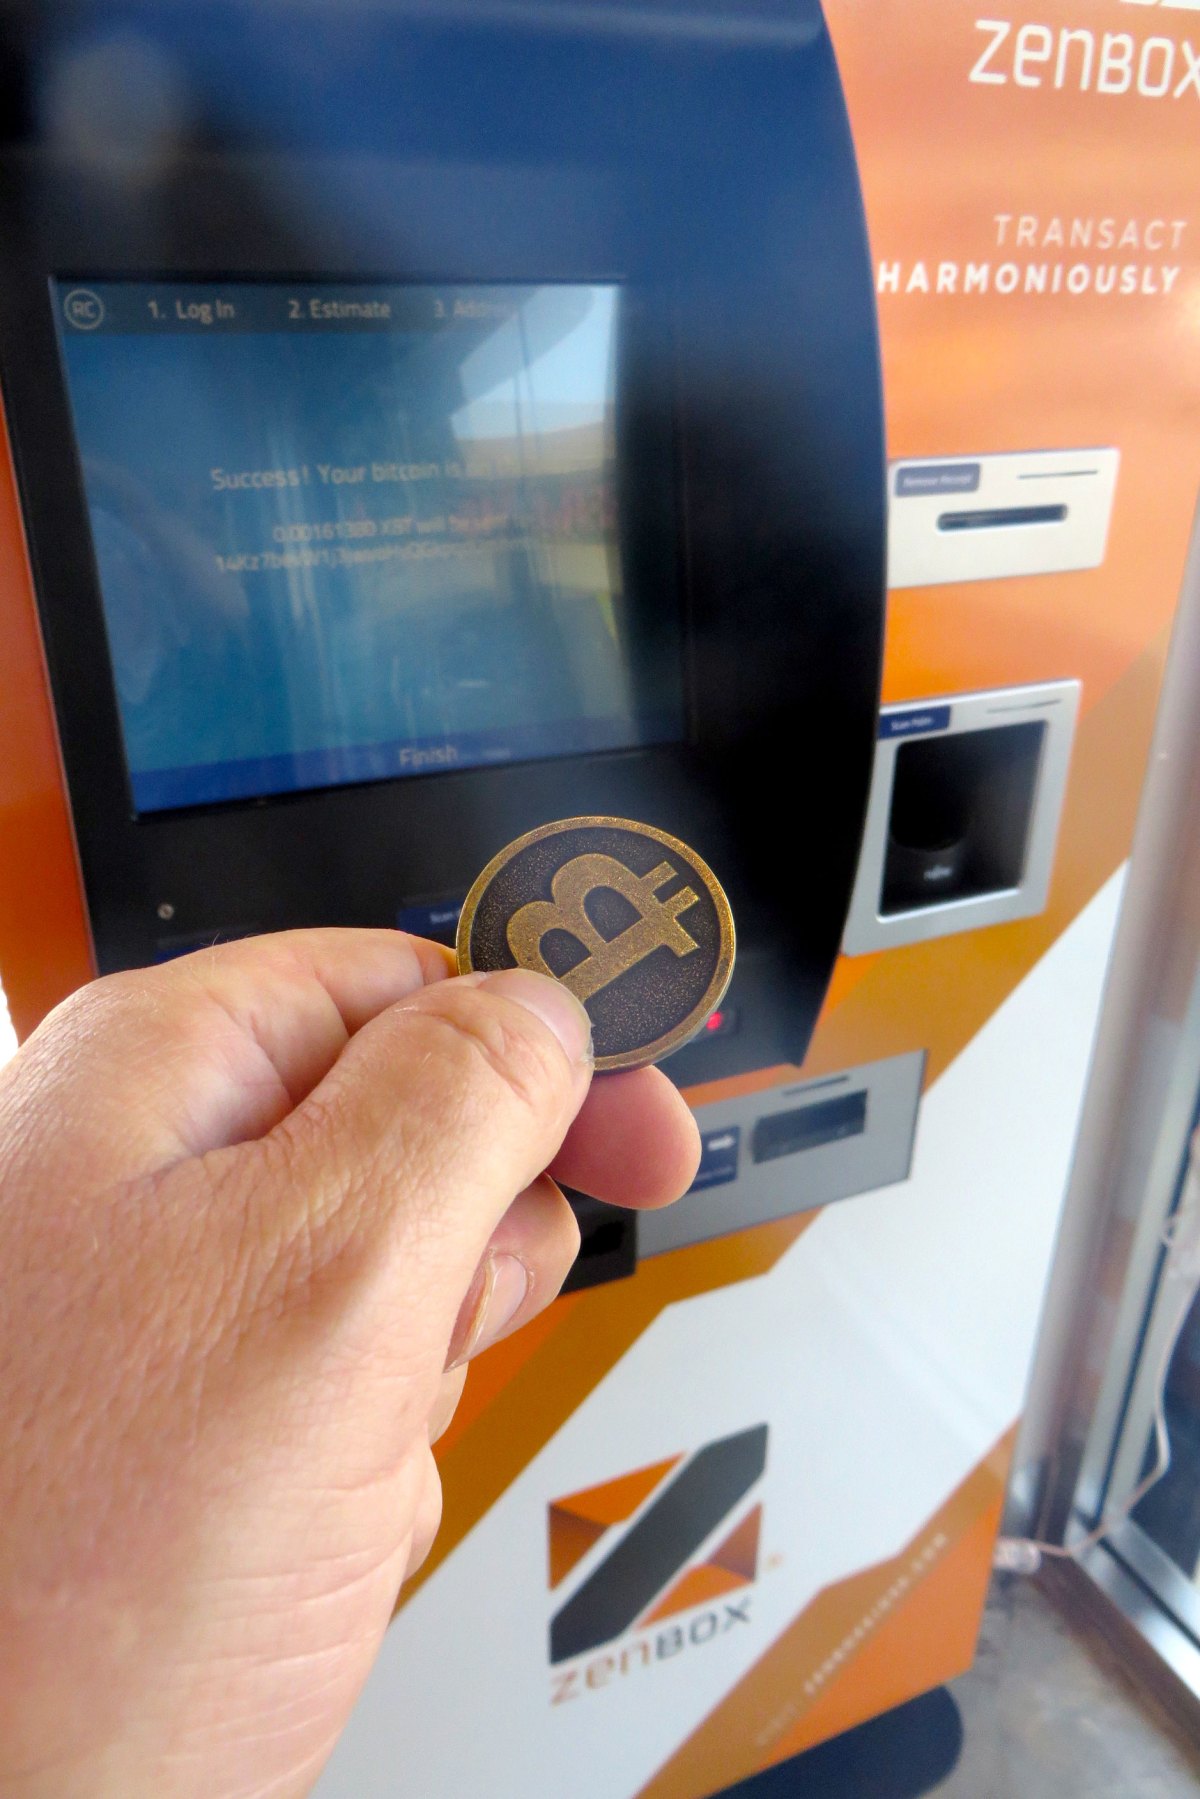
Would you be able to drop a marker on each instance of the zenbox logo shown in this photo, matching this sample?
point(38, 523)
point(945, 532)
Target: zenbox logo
point(675, 1536)
point(1078, 58)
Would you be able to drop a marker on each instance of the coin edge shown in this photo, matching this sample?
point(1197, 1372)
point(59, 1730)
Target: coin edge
point(718, 986)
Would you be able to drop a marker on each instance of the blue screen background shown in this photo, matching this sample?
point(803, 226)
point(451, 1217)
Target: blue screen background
point(340, 554)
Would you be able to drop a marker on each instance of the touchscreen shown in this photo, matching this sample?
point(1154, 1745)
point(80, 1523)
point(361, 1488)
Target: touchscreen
point(350, 533)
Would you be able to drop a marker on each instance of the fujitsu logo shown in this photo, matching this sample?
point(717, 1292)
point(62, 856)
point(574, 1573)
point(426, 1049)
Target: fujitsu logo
point(681, 1535)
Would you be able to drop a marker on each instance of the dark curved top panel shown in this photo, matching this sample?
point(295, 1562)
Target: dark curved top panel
point(700, 156)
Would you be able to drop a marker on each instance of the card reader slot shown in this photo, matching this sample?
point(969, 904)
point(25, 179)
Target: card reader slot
point(807, 1127)
point(860, 1133)
point(988, 518)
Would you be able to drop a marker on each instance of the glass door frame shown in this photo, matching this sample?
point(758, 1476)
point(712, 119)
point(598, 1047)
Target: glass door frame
point(1110, 1305)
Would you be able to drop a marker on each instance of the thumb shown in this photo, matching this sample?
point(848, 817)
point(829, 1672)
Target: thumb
point(434, 1117)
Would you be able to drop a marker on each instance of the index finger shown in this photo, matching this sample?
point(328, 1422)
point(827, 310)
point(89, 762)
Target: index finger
point(215, 1048)
point(634, 1142)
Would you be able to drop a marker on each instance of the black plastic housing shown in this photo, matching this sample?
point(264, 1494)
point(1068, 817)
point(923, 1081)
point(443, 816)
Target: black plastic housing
point(698, 153)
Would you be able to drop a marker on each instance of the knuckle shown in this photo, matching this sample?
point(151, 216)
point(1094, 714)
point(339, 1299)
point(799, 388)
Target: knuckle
point(489, 1037)
point(95, 1003)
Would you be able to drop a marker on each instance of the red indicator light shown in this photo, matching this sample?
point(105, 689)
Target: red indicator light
point(721, 1022)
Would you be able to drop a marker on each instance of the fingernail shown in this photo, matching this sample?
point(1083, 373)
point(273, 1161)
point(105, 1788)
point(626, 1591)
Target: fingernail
point(493, 1303)
point(550, 1001)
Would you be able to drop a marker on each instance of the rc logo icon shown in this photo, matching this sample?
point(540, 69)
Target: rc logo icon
point(673, 1535)
point(83, 309)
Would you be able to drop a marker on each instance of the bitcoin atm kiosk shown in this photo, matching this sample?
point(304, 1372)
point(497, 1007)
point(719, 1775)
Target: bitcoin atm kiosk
point(429, 420)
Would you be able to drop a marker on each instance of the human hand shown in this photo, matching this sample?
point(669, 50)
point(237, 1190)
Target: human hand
point(253, 1205)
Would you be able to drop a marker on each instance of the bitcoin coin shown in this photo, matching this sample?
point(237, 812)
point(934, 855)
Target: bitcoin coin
point(625, 916)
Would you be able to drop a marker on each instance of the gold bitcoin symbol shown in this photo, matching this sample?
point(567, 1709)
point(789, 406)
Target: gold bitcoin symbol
point(657, 926)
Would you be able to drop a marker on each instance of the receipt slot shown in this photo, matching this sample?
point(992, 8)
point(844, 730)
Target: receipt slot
point(978, 518)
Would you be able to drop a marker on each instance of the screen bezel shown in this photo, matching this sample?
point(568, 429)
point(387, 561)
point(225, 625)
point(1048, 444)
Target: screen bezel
point(644, 503)
point(143, 872)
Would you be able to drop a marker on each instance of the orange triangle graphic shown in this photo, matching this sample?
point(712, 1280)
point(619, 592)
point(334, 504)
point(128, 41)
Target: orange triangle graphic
point(739, 1552)
point(570, 1540)
point(732, 1564)
point(699, 1586)
point(615, 1500)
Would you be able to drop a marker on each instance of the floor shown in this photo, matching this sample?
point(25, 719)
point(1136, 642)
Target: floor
point(1049, 1712)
